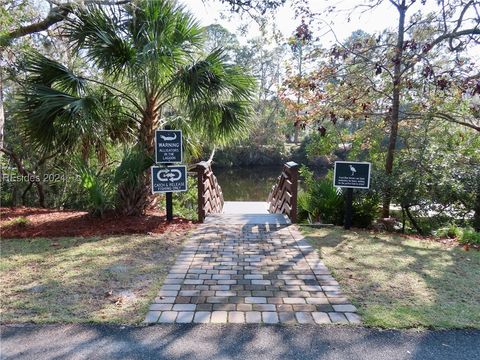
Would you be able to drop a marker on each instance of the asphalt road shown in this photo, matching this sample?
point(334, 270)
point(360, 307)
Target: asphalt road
point(233, 342)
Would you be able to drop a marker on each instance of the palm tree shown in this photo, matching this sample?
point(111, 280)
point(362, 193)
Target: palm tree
point(150, 63)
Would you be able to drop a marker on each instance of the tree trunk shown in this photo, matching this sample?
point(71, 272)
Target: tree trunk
point(299, 94)
point(24, 194)
point(476, 216)
point(135, 198)
point(395, 115)
point(2, 113)
point(413, 221)
point(32, 178)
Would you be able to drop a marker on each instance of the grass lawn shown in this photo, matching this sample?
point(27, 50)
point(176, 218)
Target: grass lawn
point(104, 279)
point(399, 282)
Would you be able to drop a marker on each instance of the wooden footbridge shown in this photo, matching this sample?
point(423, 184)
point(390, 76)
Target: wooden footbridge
point(279, 208)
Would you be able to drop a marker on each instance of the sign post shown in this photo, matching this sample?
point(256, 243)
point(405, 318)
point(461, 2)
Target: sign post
point(351, 175)
point(168, 179)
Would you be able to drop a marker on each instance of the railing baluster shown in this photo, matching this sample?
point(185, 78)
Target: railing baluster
point(283, 197)
point(210, 196)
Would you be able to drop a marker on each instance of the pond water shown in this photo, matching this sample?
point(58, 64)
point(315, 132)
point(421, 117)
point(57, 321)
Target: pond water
point(247, 184)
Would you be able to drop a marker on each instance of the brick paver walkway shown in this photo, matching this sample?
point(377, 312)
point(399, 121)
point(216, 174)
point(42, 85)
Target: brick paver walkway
point(250, 274)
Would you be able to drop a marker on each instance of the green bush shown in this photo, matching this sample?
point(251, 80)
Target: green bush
point(98, 186)
point(365, 209)
point(185, 203)
point(322, 202)
point(469, 236)
point(451, 231)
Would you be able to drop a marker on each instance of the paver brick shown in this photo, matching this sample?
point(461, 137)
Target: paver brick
point(255, 300)
point(237, 274)
point(168, 317)
point(338, 318)
point(253, 317)
point(164, 300)
point(160, 307)
point(344, 308)
point(219, 317)
point(304, 317)
point(270, 317)
point(184, 317)
point(244, 307)
point(202, 317)
point(321, 318)
point(304, 307)
point(292, 301)
point(225, 307)
point(353, 318)
point(264, 307)
point(152, 317)
point(287, 317)
point(237, 317)
point(184, 307)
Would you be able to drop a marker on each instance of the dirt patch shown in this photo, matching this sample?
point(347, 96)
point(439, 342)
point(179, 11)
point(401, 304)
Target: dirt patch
point(37, 222)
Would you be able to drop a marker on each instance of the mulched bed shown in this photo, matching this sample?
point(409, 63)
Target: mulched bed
point(65, 223)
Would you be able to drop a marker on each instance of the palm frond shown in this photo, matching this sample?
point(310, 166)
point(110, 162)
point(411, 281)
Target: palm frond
point(52, 118)
point(213, 77)
point(47, 72)
point(221, 121)
point(99, 32)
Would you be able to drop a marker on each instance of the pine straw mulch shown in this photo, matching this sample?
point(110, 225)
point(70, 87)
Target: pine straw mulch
point(28, 222)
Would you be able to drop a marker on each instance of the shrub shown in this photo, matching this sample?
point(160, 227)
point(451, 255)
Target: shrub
point(470, 236)
point(321, 201)
point(99, 188)
point(365, 209)
point(452, 231)
point(185, 203)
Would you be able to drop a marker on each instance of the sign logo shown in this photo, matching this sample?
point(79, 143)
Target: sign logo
point(169, 179)
point(348, 174)
point(168, 146)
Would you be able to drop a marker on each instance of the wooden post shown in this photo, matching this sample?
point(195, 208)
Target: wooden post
point(200, 203)
point(283, 197)
point(210, 196)
point(294, 179)
point(169, 195)
point(348, 209)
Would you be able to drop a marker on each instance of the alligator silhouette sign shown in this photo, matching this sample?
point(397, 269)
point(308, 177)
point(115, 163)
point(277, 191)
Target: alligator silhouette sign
point(168, 146)
point(169, 179)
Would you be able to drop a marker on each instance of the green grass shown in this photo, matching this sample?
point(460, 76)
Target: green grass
point(399, 282)
point(107, 280)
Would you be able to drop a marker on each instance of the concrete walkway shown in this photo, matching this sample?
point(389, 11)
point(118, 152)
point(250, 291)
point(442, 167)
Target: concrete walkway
point(250, 272)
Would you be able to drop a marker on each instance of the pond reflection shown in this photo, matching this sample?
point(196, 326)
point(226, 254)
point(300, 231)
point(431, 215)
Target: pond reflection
point(247, 184)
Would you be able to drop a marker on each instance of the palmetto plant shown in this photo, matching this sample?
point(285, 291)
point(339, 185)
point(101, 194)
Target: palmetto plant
point(150, 61)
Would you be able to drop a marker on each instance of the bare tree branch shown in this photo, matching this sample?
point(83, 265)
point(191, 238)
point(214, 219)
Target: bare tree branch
point(57, 14)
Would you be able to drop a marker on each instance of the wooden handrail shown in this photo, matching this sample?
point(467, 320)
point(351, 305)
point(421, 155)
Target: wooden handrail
point(210, 196)
point(283, 197)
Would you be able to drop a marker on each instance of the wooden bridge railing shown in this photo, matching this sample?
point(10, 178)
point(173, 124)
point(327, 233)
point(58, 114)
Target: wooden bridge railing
point(283, 197)
point(210, 196)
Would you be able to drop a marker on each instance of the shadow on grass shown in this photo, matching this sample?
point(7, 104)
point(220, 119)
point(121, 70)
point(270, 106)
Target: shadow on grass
point(401, 282)
point(111, 279)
